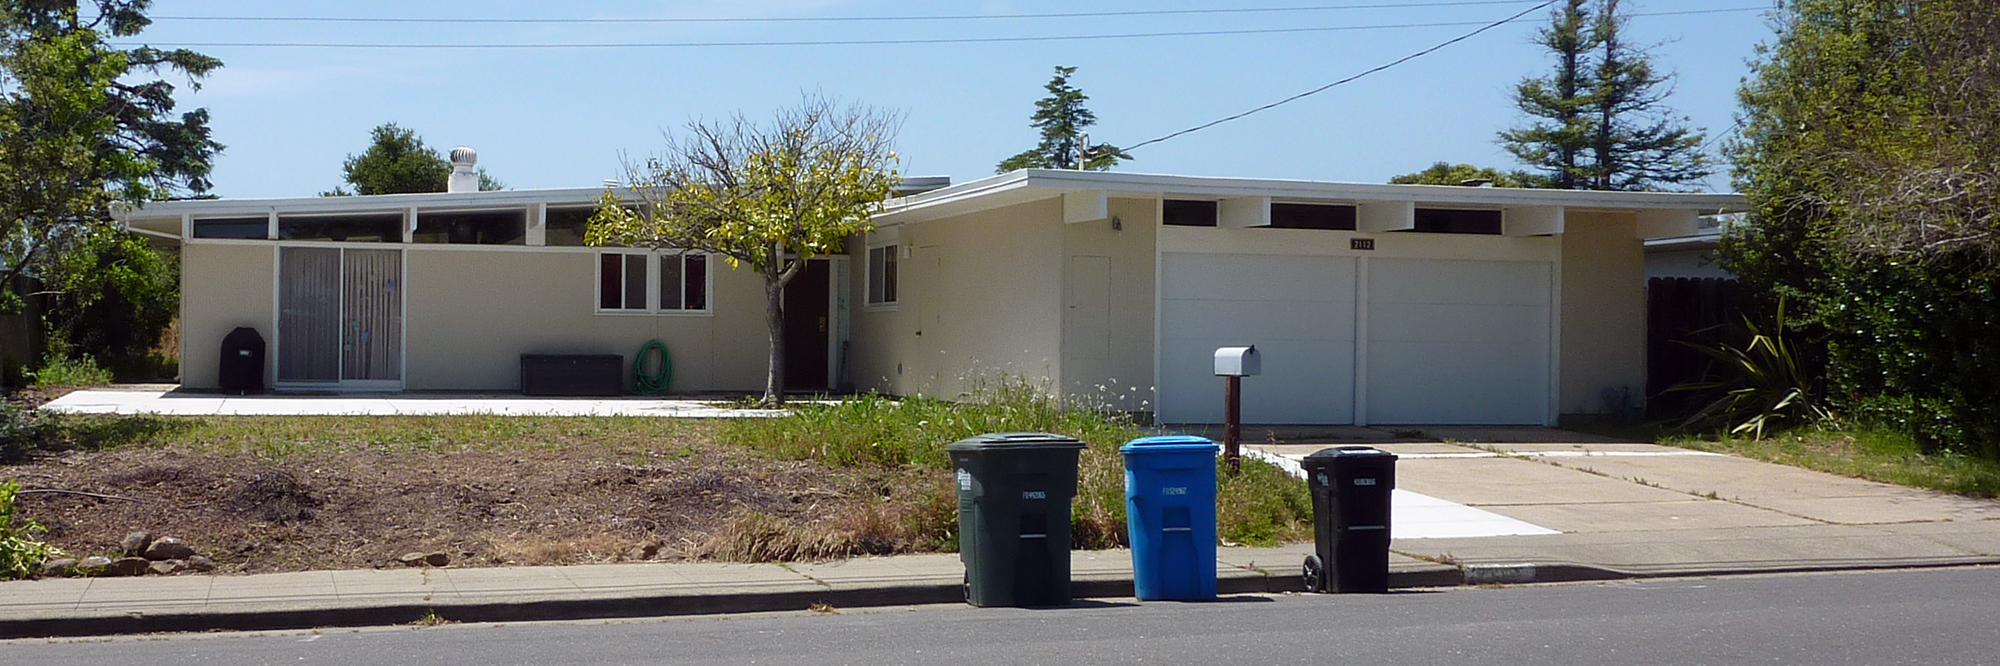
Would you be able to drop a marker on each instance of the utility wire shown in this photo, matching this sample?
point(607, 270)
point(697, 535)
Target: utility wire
point(1330, 86)
point(893, 42)
point(844, 19)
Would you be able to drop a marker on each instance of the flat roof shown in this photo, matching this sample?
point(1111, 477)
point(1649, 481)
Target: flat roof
point(1036, 184)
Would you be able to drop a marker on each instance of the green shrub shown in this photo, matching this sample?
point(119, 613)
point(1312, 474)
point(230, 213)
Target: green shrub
point(61, 367)
point(20, 431)
point(64, 372)
point(20, 552)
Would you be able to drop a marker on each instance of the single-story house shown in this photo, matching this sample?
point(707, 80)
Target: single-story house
point(1371, 304)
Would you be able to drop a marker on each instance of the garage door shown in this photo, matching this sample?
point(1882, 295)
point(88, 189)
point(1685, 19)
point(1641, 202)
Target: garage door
point(1298, 311)
point(1458, 342)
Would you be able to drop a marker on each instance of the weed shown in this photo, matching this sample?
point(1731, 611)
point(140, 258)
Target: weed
point(823, 608)
point(20, 551)
point(1261, 506)
point(431, 618)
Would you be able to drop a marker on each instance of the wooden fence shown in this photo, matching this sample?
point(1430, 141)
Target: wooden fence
point(1701, 311)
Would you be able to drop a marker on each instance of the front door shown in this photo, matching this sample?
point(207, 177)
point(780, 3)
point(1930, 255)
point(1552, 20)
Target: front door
point(340, 318)
point(808, 323)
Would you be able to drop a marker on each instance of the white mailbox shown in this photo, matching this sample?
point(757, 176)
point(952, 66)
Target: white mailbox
point(1238, 362)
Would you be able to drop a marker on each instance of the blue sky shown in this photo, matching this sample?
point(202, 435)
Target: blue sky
point(566, 117)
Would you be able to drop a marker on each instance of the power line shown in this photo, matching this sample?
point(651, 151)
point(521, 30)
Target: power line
point(1330, 86)
point(835, 19)
point(884, 42)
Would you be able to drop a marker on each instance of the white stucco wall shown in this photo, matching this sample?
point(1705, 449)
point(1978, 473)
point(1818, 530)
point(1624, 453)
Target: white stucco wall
point(471, 313)
point(980, 294)
point(223, 287)
point(1603, 313)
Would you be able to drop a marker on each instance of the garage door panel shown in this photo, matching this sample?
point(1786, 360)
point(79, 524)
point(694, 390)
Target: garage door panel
point(1298, 311)
point(1253, 322)
point(1470, 324)
point(1313, 385)
point(1458, 342)
point(1241, 277)
point(1458, 282)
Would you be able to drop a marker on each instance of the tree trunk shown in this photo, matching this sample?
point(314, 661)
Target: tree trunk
point(774, 319)
point(777, 273)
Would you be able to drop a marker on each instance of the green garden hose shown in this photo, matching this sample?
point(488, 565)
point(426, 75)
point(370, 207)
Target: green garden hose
point(652, 383)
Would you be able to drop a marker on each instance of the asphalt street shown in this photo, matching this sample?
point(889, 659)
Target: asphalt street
point(1939, 616)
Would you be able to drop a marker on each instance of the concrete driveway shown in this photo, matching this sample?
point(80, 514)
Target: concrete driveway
point(1611, 506)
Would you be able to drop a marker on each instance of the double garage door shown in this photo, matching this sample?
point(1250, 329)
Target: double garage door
point(1396, 341)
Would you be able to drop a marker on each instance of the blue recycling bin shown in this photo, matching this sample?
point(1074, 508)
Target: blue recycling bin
point(1170, 512)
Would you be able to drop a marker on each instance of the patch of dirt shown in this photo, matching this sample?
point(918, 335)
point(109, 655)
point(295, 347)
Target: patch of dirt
point(574, 504)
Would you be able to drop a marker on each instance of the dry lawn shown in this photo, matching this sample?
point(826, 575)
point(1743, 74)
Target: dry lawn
point(291, 494)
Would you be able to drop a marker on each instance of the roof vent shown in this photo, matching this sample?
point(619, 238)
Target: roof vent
point(463, 177)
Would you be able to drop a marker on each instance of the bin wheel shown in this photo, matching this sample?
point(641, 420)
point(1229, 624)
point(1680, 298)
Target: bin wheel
point(1315, 574)
point(967, 588)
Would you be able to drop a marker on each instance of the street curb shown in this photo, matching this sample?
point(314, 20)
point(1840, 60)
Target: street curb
point(1230, 583)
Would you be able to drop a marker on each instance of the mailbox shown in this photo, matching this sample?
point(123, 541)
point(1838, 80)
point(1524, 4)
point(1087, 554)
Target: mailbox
point(1238, 362)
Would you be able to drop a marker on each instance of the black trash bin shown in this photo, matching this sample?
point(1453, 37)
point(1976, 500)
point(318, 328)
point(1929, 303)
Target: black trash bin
point(242, 366)
point(1014, 492)
point(1350, 491)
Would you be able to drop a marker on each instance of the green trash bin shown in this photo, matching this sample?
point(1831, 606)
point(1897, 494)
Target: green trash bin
point(1014, 492)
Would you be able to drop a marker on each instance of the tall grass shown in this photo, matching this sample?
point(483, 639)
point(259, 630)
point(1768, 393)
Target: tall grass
point(1260, 506)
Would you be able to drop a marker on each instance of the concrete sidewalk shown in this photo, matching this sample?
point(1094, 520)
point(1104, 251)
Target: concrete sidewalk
point(1610, 510)
point(172, 401)
point(102, 606)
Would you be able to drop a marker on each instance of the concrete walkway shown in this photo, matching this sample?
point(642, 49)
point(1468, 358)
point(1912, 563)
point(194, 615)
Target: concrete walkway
point(1605, 510)
point(190, 403)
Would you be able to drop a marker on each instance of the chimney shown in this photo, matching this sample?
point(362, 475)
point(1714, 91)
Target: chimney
point(463, 177)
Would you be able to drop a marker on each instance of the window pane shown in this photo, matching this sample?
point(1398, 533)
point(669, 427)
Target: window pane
point(233, 227)
point(565, 226)
point(610, 281)
point(875, 273)
point(635, 281)
point(670, 282)
point(697, 281)
point(1182, 213)
point(489, 227)
point(889, 274)
point(1312, 216)
point(363, 227)
point(1450, 221)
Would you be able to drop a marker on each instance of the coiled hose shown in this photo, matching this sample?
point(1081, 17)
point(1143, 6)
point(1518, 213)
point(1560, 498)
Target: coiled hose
point(652, 383)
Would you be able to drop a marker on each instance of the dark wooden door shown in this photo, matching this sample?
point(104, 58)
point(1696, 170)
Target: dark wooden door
point(808, 322)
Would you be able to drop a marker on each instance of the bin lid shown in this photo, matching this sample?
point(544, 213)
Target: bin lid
point(1349, 452)
point(1169, 444)
point(1014, 440)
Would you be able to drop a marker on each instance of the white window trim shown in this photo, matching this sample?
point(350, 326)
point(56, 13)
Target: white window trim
point(868, 278)
point(652, 282)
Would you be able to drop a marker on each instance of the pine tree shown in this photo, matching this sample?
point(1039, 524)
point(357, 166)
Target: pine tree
point(1062, 120)
point(1600, 118)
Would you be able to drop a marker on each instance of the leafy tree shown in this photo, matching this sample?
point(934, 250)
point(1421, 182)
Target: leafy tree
point(398, 162)
point(1869, 130)
point(767, 196)
point(1062, 120)
point(83, 129)
point(117, 304)
point(1445, 173)
point(1600, 120)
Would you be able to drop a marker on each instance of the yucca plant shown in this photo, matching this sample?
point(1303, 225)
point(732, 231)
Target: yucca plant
point(1760, 384)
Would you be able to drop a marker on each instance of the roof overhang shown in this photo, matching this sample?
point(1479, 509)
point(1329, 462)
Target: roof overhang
point(163, 218)
point(1029, 185)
